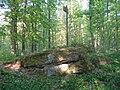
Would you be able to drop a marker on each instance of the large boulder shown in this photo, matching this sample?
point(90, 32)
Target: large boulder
point(62, 54)
point(70, 64)
point(57, 62)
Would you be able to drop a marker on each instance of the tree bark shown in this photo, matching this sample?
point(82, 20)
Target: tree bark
point(24, 28)
point(108, 31)
point(14, 31)
point(116, 33)
point(91, 29)
point(49, 36)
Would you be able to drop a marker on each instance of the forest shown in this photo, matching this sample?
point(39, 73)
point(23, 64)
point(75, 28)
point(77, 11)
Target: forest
point(59, 45)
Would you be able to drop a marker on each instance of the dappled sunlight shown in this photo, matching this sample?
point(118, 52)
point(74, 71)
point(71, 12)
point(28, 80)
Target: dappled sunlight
point(59, 45)
point(8, 65)
point(64, 67)
point(72, 69)
point(14, 66)
point(103, 62)
point(63, 49)
point(68, 68)
point(60, 58)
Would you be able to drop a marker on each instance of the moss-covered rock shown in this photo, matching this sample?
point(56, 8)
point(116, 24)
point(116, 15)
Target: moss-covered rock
point(58, 62)
point(60, 55)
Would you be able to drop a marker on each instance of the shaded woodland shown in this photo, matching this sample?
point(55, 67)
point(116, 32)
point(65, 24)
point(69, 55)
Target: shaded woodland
point(59, 44)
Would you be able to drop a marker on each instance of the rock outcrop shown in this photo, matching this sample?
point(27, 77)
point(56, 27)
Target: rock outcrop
point(58, 62)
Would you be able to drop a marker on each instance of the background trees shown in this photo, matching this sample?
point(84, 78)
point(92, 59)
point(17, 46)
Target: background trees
point(34, 25)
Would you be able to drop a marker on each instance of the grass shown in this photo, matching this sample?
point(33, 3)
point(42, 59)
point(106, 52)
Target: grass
point(89, 81)
point(104, 77)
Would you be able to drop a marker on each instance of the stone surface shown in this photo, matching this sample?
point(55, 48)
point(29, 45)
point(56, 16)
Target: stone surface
point(67, 63)
point(57, 62)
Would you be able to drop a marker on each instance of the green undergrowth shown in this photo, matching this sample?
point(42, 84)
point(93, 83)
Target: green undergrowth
point(104, 77)
point(6, 56)
point(89, 81)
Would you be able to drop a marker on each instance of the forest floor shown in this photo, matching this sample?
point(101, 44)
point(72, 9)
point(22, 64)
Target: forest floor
point(106, 76)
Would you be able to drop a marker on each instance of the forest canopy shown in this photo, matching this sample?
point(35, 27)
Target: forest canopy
point(29, 26)
point(59, 45)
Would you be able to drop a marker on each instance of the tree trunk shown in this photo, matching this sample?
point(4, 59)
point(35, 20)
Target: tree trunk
point(24, 28)
point(14, 33)
point(108, 31)
point(49, 36)
point(34, 45)
point(116, 33)
point(67, 29)
point(91, 29)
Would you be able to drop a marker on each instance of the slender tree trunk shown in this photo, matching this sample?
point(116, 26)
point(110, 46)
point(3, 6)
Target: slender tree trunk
point(49, 36)
point(34, 27)
point(13, 37)
point(44, 45)
point(102, 41)
point(108, 29)
point(35, 43)
point(65, 9)
point(32, 46)
point(0, 42)
point(24, 28)
point(52, 41)
point(116, 33)
point(67, 29)
point(102, 33)
point(91, 27)
point(14, 33)
point(79, 28)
